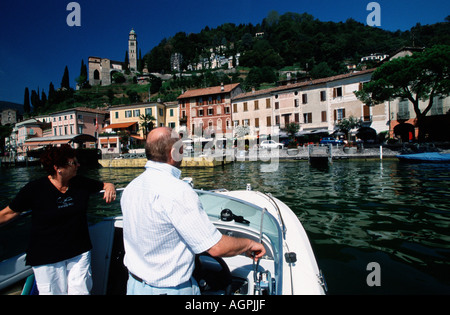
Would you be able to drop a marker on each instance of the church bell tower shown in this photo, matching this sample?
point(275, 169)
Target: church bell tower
point(132, 50)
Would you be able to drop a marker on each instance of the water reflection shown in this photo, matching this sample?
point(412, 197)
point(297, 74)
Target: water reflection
point(354, 212)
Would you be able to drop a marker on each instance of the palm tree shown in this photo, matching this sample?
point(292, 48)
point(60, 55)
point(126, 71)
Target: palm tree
point(147, 123)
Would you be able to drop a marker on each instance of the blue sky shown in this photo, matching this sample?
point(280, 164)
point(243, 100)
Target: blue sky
point(36, 43)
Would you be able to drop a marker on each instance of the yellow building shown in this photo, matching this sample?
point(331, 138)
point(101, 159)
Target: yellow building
point(132, 116)
point(172, 115)
point(127, 120)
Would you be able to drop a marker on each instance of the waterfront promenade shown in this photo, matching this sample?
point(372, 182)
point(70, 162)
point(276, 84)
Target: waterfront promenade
point(214, 159)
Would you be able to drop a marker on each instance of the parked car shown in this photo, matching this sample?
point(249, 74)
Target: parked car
point(270, 144)
point(328, 140)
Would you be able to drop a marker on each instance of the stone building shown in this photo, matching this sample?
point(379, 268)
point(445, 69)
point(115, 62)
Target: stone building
point(101, 70)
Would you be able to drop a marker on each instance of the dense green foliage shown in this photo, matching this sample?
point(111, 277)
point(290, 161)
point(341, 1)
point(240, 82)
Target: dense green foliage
point(420, 77)
point(292, 39)
point(295, 42)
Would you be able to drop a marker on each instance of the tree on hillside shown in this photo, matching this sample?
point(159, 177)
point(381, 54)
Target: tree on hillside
point(26, 102)
point(82, 79)
point(419, 77)
point(51, 94)
point(126, 63)
point(65, 83)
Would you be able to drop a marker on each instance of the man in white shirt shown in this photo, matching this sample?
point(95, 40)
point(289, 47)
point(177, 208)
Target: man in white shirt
point(165, 224)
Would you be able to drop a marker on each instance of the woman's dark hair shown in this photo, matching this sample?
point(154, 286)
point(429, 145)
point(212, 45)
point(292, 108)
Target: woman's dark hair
point(56, 156)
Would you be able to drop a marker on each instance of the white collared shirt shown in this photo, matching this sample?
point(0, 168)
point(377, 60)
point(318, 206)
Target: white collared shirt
point(164, 226)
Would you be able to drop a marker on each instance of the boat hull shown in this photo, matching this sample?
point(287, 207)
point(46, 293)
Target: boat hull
point(427, 157)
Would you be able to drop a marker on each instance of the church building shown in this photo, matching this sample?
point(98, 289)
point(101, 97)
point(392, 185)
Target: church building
point(101, 70)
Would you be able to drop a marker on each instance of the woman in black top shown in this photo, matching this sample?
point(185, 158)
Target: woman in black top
point(59, 248)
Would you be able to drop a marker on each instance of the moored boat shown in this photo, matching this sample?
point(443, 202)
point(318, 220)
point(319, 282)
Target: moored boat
point(427, 157)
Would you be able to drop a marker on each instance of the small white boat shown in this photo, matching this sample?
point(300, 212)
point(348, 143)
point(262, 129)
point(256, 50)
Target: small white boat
point(289, 266)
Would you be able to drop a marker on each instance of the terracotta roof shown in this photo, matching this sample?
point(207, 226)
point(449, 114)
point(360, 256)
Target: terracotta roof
point(210, 90)
point(82, 109)
point(302, 84)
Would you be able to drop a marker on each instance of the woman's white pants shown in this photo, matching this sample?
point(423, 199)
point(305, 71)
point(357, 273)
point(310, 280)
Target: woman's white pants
point(72, 276)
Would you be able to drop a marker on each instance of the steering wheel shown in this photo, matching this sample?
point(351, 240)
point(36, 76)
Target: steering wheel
point(212, 274)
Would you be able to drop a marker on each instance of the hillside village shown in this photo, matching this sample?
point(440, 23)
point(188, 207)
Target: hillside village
point(316, 105)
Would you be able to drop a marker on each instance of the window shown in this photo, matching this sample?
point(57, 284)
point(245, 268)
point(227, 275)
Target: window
point(128, 114)
point(304, 98)
point(136, 113)
point(227, 110)
point(148, 111)
point(297, 118)
point(307, 118)
point(246, 122)
point(200, 112)
point(161, 112)
point(210, 111)
point(234, 108)
point(171, 112)
point(437, 108)
point(403, 109)
point(296, 102)
point(269, 121)
point(337, 92)
point(324, 116)
point(257, 122)
point(277, 105)
point(323, 96)
point(245, 107)
point(277, 120)
point(339, 114)
point(116, 114)
point(267, 102)
point(256, 105)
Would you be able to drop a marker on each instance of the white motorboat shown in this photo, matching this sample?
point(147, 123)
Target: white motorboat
point(289, 266)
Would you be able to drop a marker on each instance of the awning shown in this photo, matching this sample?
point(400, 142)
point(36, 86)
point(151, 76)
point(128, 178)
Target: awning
point(120, 125)
point(106, 140)
point(43, 141)
point(137, 137)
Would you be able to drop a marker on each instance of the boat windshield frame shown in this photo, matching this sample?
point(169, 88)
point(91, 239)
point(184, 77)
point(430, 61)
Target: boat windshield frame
point(260, 220)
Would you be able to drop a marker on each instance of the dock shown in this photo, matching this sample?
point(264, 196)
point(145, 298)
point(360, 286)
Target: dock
point(199, 162)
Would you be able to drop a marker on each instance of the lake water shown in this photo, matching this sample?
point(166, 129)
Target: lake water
point(355, 213)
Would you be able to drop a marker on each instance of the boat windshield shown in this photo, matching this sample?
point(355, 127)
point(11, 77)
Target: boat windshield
point(214, 203)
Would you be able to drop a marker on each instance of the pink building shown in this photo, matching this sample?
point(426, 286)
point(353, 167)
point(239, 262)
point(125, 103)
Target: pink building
point(74, 125)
